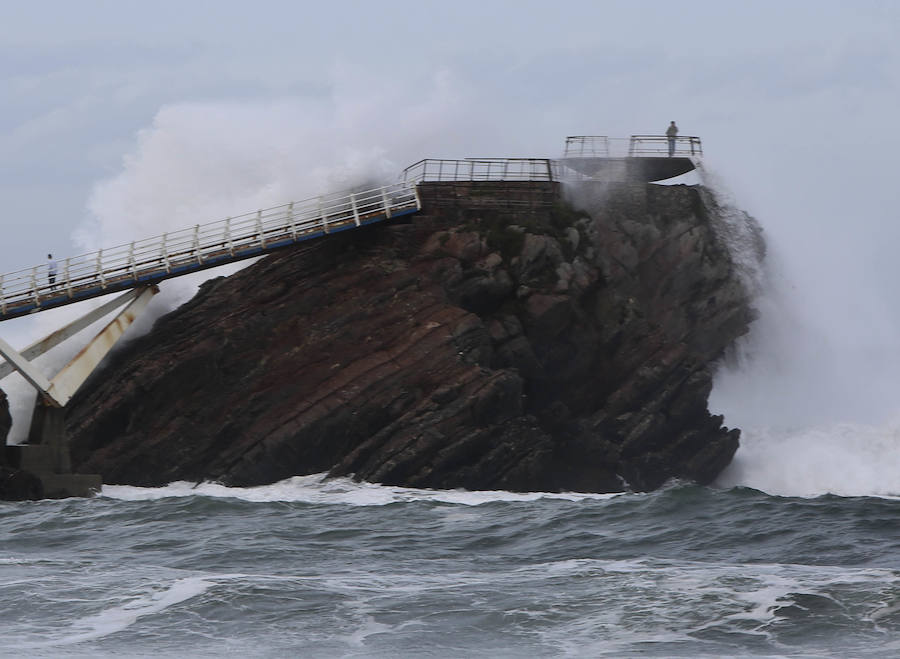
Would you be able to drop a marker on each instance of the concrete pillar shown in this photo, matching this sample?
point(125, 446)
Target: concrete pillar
point(46, 457)
point(48, 428)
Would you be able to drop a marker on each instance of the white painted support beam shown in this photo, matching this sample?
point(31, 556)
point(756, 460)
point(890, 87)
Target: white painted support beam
point(25, 367)
point(50, 341)
point(73, 375)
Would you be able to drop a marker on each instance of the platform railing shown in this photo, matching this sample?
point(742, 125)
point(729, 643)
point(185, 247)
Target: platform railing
point(193, 248)
point(636, 146)
point(587, 146)
point(479, 169)
point(658, 145)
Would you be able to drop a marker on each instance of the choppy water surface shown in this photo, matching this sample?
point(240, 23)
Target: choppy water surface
point(343, 569)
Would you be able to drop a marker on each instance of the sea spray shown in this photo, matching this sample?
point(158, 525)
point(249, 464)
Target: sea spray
point(738, 231)
point(813, 389)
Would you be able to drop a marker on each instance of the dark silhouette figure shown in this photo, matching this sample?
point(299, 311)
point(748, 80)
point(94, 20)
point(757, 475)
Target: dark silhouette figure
point(52, 269)
point(672, 133)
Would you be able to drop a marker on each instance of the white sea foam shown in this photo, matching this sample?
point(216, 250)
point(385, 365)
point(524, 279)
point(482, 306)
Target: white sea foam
point(664, 604)
point(316, 489)
point(117, 618)
point(843, 459)
point(814, 385)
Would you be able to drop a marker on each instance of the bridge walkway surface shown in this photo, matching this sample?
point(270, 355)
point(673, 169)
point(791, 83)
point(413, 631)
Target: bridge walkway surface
point(150, 261)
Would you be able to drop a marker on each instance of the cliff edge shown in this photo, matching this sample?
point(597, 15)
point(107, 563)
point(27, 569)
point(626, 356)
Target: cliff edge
point(500, 339)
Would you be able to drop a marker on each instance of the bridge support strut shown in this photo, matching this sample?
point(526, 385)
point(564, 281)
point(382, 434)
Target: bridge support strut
point(47, 453)
point(61, 388)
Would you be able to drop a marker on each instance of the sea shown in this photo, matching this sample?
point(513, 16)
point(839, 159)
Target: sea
point(311, 567)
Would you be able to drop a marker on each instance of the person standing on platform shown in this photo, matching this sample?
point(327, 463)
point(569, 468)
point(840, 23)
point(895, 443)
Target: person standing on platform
point(52, 269)
point(672, 133)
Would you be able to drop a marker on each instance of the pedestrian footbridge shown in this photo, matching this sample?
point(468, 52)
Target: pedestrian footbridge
point(152, 260)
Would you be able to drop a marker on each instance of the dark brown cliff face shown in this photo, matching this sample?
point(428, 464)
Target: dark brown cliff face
point(494, 342)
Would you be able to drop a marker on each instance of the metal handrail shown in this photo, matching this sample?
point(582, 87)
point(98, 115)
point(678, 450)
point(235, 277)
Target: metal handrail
point(636, 146)
point(587, 146)
point(654, 145)
point(479, 169)
point(203, 245)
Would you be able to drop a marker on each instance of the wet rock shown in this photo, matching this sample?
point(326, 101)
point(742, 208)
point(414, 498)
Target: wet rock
point(496, 341)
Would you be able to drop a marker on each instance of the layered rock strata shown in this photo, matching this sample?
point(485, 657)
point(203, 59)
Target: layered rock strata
point(498, 340)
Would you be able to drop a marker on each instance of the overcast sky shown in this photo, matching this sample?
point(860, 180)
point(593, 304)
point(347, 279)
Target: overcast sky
point(121, 119)
point(810, 87)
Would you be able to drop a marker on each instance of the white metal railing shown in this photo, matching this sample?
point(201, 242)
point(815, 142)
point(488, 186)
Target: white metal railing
point(587, 146)
point(190, 249)
point(658, 145)
point(479, 169)
point(601, 146)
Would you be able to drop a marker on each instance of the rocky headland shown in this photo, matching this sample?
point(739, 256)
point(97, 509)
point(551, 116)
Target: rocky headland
point(500, 339)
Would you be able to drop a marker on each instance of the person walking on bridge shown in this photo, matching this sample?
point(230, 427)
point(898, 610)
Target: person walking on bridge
point(672, 133)
point(52, 269)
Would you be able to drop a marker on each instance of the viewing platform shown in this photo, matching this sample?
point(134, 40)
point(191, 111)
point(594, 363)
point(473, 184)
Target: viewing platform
point(640, 158)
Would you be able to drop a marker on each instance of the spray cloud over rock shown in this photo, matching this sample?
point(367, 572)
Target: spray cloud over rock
point(814, 384)
point(204, 161)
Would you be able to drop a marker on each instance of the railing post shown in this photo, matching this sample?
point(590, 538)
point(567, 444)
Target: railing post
point(164, 254)
point(418, 198)
point(197, 244)
point(322, 215)
point(131, 260)
point(355, 209)
point(291, 222)
point(34, 290)
point(2, 297)
point(384, 200)
point(549, 170)
point(68, 278)
point(226, 238)
point(99, 267)
point(259, 228)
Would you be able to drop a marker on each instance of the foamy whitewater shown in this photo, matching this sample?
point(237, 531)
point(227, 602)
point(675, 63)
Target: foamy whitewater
point(317, 568)
point(794, 552)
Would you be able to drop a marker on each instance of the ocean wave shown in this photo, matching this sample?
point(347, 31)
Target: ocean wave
point(316, 489)
point(849, 460)
point(114, 619)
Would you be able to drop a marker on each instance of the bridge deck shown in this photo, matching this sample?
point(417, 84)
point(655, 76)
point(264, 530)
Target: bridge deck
point(199, 248)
